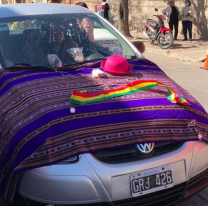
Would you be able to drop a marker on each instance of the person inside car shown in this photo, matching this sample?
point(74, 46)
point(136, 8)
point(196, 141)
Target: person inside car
point(61, 43)
point(33, 50)
point(86, 24)
point(4, 39)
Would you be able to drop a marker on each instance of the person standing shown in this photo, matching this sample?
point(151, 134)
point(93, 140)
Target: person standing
point(106, 11)
point(187, 19)
point(172, 13)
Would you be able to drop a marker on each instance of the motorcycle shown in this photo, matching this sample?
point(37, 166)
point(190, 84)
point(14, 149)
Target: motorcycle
point(156, 31)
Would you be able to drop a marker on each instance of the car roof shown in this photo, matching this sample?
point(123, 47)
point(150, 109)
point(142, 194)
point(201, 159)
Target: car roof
point(17, 10)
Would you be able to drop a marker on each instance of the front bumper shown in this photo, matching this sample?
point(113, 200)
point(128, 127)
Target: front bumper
point(90, 181)
point(170, 196)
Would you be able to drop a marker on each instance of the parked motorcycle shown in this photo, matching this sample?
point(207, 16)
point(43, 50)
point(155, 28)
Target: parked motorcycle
point(156, 31)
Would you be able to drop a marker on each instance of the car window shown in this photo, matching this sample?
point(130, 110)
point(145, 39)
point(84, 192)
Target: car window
point(31, 39)
point(97, 25)
point(20, 26)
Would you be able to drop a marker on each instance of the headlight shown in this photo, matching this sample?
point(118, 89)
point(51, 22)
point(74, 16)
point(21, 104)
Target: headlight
point(70, 160)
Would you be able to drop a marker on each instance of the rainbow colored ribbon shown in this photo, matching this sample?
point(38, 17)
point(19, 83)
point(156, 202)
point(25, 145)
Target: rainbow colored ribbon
point(82, 97)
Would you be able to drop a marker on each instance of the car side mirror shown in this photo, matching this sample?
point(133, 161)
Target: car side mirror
point(156, 9)
point(139, 45)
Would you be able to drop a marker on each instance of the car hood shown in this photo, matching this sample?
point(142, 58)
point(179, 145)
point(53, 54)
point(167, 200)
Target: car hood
point(40, 126)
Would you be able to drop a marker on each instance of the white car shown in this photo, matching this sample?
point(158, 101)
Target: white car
point(133, 149)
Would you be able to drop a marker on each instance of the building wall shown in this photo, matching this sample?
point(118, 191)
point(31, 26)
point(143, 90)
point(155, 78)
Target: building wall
point(140, 10)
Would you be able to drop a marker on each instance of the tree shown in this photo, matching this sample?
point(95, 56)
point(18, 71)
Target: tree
point(123, 17)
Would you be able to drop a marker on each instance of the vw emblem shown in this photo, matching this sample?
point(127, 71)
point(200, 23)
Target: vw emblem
point(146, 147)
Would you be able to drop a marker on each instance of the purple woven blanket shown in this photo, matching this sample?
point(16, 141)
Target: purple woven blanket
point(38, 125)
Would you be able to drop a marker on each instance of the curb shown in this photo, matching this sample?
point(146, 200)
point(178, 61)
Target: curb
point(168, 53)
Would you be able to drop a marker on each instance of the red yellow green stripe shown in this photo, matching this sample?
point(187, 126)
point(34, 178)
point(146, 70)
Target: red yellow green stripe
point(82, 97)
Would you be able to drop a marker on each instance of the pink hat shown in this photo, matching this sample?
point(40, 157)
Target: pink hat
point(116, 65)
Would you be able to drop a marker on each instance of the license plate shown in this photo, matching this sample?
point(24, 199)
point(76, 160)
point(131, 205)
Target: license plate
point(152, 180)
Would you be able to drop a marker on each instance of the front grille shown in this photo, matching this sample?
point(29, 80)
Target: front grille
point(130, 154)
point(197, 179)
point(161, 198)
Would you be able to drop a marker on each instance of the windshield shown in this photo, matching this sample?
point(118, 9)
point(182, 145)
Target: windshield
point(73, 38)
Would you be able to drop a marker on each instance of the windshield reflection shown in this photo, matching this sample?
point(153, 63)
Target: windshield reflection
point(30, 39)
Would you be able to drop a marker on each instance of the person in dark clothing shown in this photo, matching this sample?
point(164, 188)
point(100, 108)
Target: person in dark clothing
point(82, 4)
point(54, 1)
point(172, 13)
point(106, 11)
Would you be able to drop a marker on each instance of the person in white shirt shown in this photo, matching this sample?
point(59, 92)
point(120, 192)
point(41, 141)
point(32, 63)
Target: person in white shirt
point(187, 13)
point(172, 13)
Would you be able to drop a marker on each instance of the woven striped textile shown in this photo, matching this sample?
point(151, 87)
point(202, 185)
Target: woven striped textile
point(40, 126)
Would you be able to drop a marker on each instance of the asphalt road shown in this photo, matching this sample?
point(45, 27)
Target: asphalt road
point(195, 81)
point(186, 74)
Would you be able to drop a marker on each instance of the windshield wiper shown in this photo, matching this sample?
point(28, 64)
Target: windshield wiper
point(85, 64)
point(27, 67)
